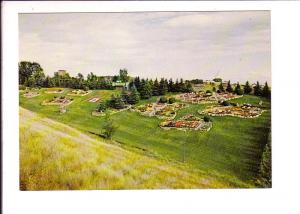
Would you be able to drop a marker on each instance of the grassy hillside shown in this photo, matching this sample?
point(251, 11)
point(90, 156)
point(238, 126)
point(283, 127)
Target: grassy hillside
point(54, 156)
point(231, 149)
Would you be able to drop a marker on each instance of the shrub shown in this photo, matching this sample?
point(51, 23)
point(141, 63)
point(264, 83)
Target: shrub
point(208, 91)
point(172, 100)
point(102, 107)
point(225, 103)
point(85, 88)
point(206, 118)
point(163, 100)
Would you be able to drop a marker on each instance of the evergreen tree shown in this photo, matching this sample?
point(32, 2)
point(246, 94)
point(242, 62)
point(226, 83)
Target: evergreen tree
point(247, 88)
point(229, 88)
point(145, 90)
point(188, 87)
point(221, 88)
point(266, 92)
point(155, 88)
point(125, 95)
point(108, 127)
point(176, 86)
point(171, 85)
point(137, 83)
point(181, 85)
point(116, 102)
point(163, 88)
point(257, 89)
point(134, 96)
point(238, 89)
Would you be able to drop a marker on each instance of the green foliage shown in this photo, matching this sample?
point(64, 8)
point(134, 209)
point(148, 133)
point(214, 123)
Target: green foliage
point(134, 96)
point(31, 74)
point(163, 100)
point(145, 89)
point(217, 80)
point(247, 88)
point(124, 75)
point(206, 118)
point(116, 102)
point(265, 172)
point(225, 103)
point(102, 107)
point(257, 89)
point(197, 81)
point(155, 88)
point(214, 89)
point(109, 128)
point(208, 92)
point(266, 92)
point(238, 90)
point(171, 100)
point(221, 88)
point(163, 87)
point(229, 88)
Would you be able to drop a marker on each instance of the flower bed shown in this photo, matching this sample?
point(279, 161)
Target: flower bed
point(30, 94)
point(243, 111)
point(160, 110)
point(188, 122)
point(94, 99)
point(203, 98)
point(78, 92)
point(61, 101)
point(55, 90)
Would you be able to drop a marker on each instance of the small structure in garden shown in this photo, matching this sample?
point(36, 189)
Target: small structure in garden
point(94, 99)
point(78, 92)
point(30, 94)
point(242, 111)
point(61, 100)
point(54, 90)
point(187, 122)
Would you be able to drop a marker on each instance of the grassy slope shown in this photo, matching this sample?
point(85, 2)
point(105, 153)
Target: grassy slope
point(54, 156)
point(231, 149)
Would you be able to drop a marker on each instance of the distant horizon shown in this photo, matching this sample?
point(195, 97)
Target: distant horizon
point(234, 46)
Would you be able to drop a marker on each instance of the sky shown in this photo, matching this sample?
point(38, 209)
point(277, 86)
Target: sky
point(235, 46)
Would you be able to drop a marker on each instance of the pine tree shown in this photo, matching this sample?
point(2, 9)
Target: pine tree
point(181, 85)
point(134, 96)
point(155, 88)
point(145, 90)
point(247, 88)
point(229, 88)
point(238, 89)
point(266, 92)
point(176, 86)
point(171, 85)
point(163, 88)
point(188, 87)
point(257, 89)
point(137, 83)
point(221, 88)
point(116, 102)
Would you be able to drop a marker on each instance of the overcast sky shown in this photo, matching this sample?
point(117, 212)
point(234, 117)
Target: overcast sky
point(230, 45)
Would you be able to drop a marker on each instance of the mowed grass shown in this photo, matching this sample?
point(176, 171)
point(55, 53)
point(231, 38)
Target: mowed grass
point(54, 156)
point(231, 150)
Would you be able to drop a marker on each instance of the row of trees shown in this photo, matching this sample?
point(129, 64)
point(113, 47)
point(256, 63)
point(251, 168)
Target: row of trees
point(257, 90)
point(148, 88)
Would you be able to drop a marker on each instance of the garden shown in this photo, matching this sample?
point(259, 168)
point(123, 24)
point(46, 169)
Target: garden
point(243, 111)
point(61, 101)
point(188, 122)
point(30, 94)
point(78, 92)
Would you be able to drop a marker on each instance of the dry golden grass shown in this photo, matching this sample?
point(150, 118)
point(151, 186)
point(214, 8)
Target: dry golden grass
point(54, 156)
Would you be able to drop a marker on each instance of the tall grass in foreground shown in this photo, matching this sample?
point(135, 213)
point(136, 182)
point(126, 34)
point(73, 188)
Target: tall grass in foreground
point(54, 156)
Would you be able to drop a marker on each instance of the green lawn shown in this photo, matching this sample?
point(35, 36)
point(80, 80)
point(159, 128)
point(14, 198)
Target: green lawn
point(230, 150)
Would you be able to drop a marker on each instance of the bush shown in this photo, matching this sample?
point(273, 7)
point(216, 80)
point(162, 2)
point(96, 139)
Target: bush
point(206, 118)
point(208, 91)
point(102, 107)
point(172, 100)
point(225, 103)
point(163, 100)
point(85, 88)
